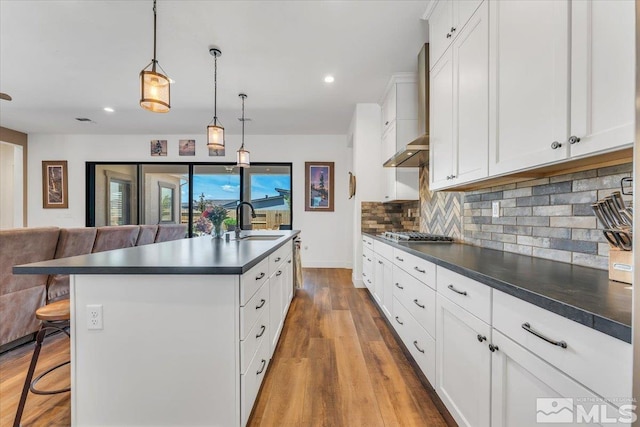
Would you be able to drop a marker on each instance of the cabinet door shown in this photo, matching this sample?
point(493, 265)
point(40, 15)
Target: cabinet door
point(529, 78)
point(602, 75)
point(389, 184)
point(389, 142)
point(463, 363)
point(519, 378)
point(441, 123)
point(275, 308)
point(378, 278)
point(471, 98)
point(462, 12)
point(440, 30)
point(385, 280)
point(389, 109)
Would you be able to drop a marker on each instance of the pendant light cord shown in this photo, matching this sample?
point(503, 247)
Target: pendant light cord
point(243, 120)
point(215, 89)
point(154, 35)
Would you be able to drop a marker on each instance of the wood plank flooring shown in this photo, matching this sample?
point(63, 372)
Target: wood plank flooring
point(337, 364)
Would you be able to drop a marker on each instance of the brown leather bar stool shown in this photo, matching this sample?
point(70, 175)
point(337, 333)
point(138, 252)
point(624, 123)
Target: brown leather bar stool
point(54, 316)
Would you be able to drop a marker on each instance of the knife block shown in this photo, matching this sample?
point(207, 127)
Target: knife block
point(620, 265)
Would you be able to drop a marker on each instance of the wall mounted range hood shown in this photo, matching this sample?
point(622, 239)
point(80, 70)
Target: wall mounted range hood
point(416, 152)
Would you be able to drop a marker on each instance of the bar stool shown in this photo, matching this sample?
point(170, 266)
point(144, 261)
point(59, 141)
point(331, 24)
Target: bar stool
point(54, 316)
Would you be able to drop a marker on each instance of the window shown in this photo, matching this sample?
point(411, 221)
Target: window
point(268, 188)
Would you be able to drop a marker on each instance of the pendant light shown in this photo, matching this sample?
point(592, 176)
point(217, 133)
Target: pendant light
point(154, 86)
point(243, 155)
point(215, 132)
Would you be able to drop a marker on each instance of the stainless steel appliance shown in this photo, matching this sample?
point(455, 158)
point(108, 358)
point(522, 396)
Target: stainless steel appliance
point(636, 172)
point(414, 236)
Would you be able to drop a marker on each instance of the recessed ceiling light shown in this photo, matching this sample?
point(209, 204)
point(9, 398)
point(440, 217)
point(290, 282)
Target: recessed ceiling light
point(409, 153)
point(108, 109)
point(329, 79)
point(393, 164)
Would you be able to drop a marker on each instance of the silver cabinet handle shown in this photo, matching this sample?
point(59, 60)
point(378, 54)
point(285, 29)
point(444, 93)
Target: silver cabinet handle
point(415, 301)
point(364, 256)
point(277, 259)
point(278, 273)
point(398, 320)
point(262, 329)
point(448, 35)
point(481, 338)
point(289, 262)
point(262, 303)
point(398, 286)
point(364, 274)
point(369, 281)
point(457, 291)
point(493, 348)
point(386, 123)
point(369, 259)
point(573, 139)
point(415, 344)
point(555, 145)
point(264, 363)
point(259, 276)
point(379, 262)
point(527, 327)
point(399, 259)
point(453, 29)
point(419, 270)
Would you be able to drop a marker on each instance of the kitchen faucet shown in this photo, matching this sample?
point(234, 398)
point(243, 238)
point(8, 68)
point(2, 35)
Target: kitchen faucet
point(238, 209)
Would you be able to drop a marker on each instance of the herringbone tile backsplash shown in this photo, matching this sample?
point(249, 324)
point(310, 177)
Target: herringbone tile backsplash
point(441, 211)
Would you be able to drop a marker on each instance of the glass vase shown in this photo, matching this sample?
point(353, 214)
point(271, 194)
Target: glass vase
point(216, 233)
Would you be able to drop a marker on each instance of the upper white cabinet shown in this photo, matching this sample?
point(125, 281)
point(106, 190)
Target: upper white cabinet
point(602, 79)
point(529, 76)
point(446, 20)
point(459, 96)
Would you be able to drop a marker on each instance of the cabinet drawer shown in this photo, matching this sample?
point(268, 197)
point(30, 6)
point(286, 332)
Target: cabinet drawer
point(467, 293)
point(278, 257)
point(419, 268)
point(421, 345)
point(251, 380)
point(600, 362)
point(253, 309)
point(251, 281)
point(367, 242)
point(383, 250)
point(367, 262)
point(249, 345)
point(417, 298)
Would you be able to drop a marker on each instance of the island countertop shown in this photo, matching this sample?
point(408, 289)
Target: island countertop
point(199, 255)
point(582, 294)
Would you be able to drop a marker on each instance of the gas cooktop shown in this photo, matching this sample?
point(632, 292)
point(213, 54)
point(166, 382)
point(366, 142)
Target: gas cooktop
point(414, 236)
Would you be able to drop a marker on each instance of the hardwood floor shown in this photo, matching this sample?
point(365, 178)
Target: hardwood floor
point(337, 364)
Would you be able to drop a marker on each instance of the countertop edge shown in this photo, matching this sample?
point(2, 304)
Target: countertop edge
point(592, 320)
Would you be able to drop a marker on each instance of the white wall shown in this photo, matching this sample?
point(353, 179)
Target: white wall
point(10, 185)
point(327, 237)
point(365, 134)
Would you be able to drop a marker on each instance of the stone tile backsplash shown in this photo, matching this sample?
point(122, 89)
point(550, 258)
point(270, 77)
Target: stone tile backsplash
point(378, 217)
point(546, 218)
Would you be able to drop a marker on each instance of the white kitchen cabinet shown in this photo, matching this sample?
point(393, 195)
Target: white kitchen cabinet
point(383, 284)
point(529, 77)
point(460, 133)
point(446, 21)
point(602, 75)
point(463, 363)
point(401, 184)
point(280, 293)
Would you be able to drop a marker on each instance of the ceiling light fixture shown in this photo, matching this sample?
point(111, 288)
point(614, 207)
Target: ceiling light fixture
point(215, 133)
point(329, 79)
point(154, 86)
point(243, 155)
point(108, 109)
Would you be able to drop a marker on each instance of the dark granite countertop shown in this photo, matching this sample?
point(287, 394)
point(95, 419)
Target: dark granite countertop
point(200, 255)
point(585, 295)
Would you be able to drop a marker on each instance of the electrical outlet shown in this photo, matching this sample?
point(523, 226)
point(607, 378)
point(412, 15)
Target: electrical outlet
point(94, 316)
point(495, 209)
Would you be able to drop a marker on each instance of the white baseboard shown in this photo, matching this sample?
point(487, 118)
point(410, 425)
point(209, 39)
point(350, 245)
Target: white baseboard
point(357, 283)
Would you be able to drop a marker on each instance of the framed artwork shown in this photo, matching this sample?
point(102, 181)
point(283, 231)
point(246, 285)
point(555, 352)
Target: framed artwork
point(318, 191)
point(55, 189)
point(158, 147)
point(217, 153)
point(187, 147)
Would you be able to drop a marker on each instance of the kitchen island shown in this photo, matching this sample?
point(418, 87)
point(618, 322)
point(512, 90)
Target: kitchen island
point(174, 333)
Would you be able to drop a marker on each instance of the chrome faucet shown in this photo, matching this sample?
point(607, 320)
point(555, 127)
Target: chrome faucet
point(238, 209)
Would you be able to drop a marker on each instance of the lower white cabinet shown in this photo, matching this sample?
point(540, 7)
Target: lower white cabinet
point(280, 293)
point(421, 345)
point(383, 283)
point(463, 363)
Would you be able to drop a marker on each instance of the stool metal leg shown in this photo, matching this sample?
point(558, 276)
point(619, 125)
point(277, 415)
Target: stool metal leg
point(27, 381)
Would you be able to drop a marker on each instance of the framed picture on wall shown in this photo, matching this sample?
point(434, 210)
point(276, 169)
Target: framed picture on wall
point(187, 147)
point(55, 190)
point(158, 147)
point(318, 191)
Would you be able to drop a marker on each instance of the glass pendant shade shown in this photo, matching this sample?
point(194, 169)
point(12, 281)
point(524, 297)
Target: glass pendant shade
point(215, 137)
point(155, 93)
point(243, 158)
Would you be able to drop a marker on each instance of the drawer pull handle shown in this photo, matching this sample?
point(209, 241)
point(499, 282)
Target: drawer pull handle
point(481, 338)
point(262, 329)
point(262, 303)
point(527, 327)
point(415, 344)
point(277, 259)
point(398, 286)
point(419, 270)
point(379, 262)
point(364, 256)
point(457, 291)
point(364, 274)
point(259, 276)
point(398, 320)
point(493, 348)
point(399, 259)
point(369, 259)
point(418, 304)
point(264, 363)
point(278, 273)
point(289, 262)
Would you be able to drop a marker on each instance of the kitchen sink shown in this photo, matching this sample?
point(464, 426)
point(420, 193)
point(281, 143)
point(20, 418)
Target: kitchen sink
point(262, 237)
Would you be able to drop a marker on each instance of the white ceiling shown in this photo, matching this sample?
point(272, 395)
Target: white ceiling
point(65, 59)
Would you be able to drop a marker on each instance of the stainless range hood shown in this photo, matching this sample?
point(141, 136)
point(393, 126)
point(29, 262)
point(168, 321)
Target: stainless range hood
point(416, 152)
